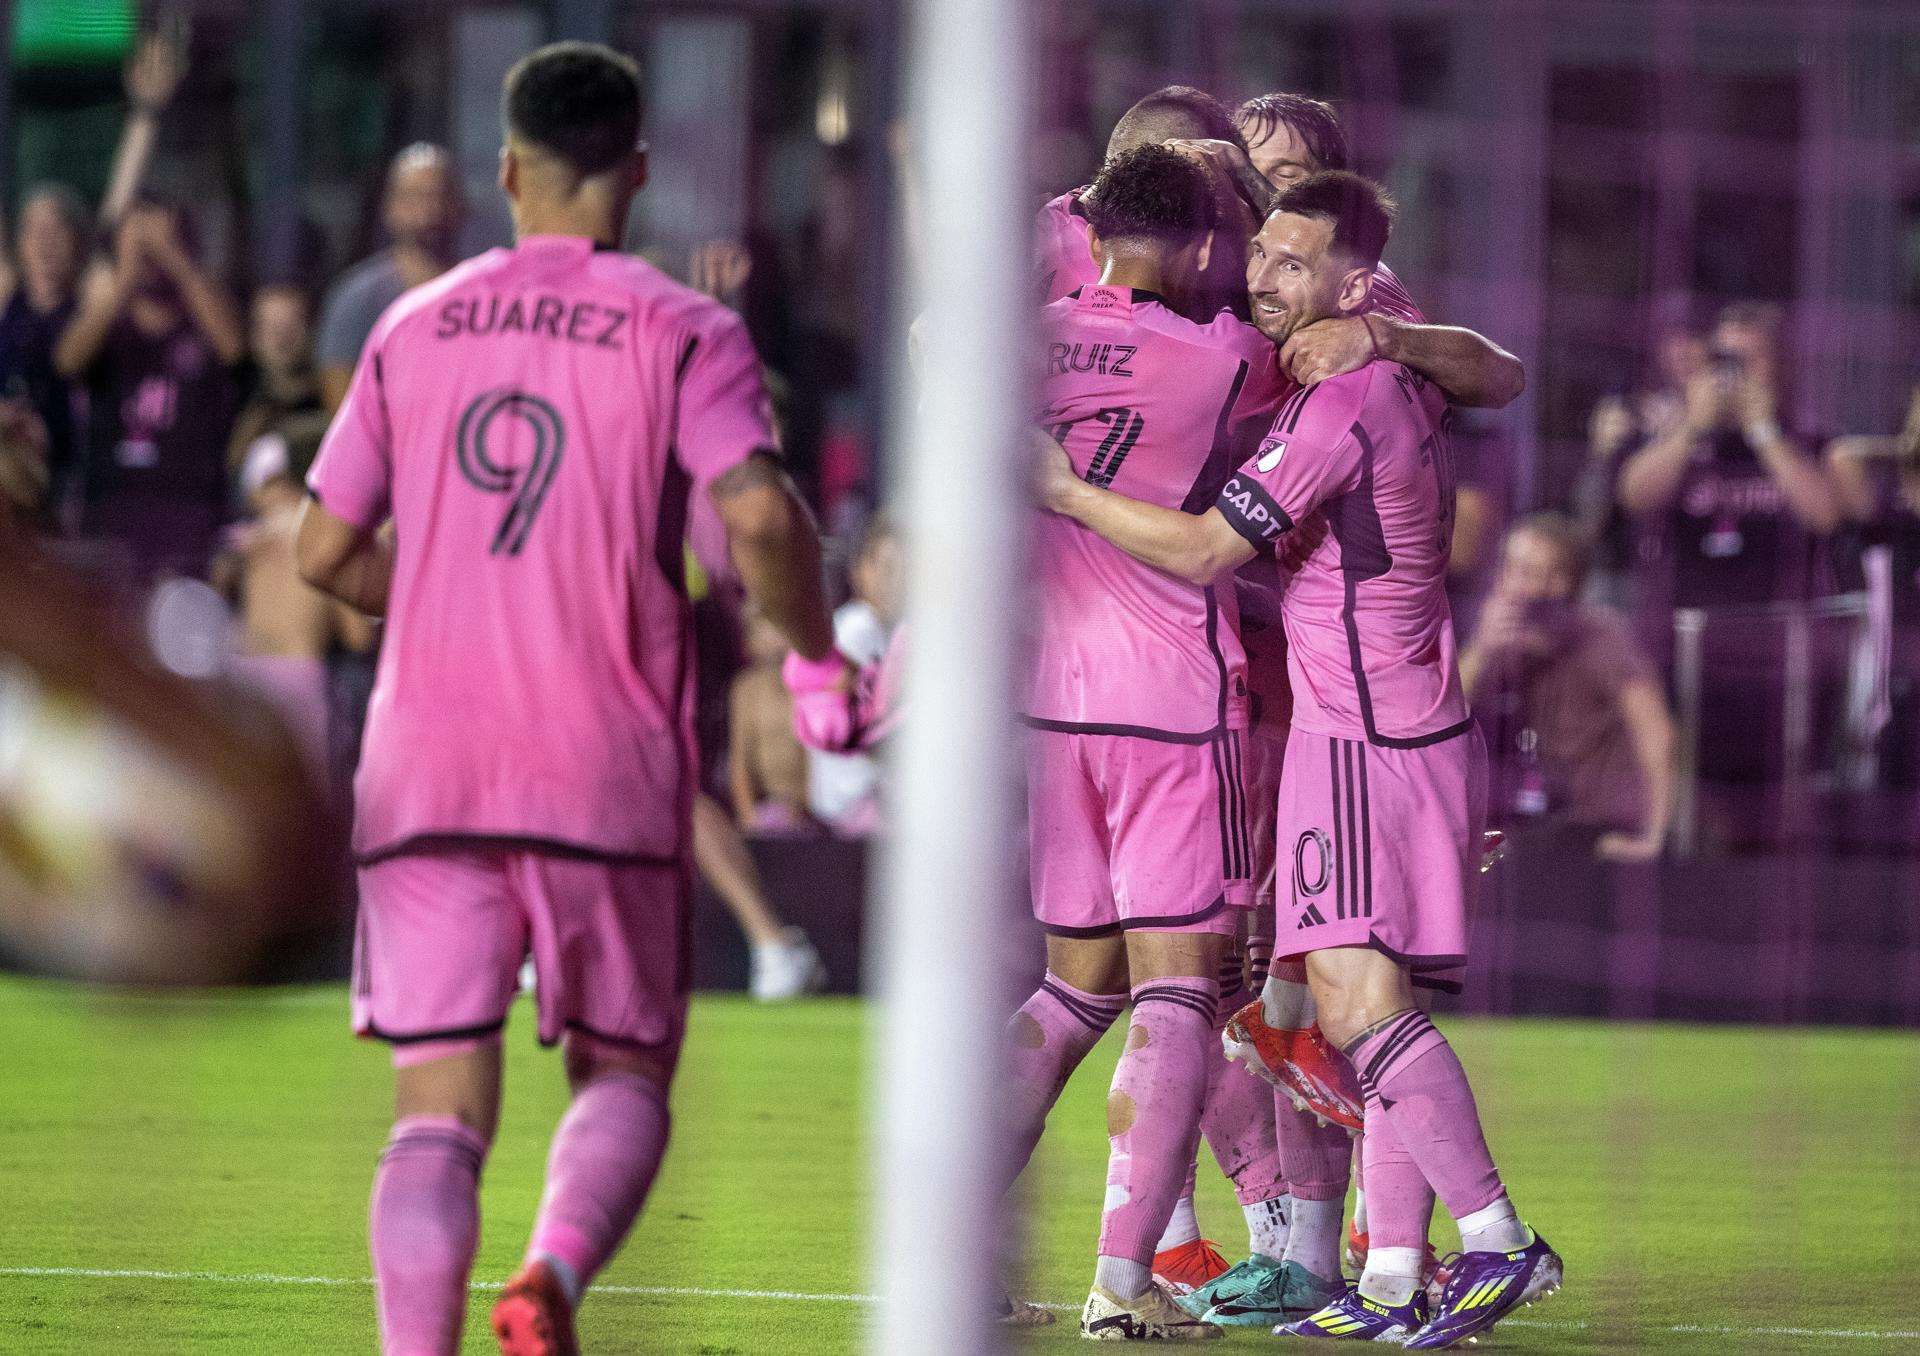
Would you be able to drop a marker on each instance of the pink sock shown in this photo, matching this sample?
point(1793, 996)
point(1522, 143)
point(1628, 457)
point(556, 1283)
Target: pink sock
point(1238, 1126)
point(1153, 1111)
point(1048, 1038)
point(424, 1227)
point(1314, 1159)
point(603, 1159)
point(1409, 1070)
point(1399, 1201)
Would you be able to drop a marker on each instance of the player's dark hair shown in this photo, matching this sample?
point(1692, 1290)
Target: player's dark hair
point(1312, 120)
point(578, 101)
point(1170, 112)
point(1360, 210)
point(1151, 192)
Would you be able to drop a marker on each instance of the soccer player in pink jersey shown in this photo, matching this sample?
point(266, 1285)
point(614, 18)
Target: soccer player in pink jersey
point(1383, 790)
point(1063, 253)
point(1136, 701)
point(533, 425)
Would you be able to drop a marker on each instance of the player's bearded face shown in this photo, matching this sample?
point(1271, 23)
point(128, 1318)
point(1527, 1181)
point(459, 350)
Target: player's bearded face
point(1293, 279)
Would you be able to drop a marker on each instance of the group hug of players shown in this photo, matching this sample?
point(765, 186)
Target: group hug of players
point(1248, 738)
point(513, 501)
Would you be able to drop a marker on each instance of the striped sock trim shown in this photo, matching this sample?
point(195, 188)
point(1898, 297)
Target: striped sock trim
point(1194, 999)
point(1392, 1042)
point(1096, 1012)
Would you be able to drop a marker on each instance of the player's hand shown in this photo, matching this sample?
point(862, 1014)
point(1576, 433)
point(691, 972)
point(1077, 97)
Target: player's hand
point(1628, 847)
point(1054, 479)
point(154, 74)
point(1327, 348)
point(1610, 428)
point(1754, 401)
point(720, 268)
point(1706, 401)
point(1232, 161)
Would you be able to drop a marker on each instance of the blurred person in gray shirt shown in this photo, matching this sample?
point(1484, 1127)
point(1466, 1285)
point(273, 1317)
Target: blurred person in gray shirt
point(422, 211)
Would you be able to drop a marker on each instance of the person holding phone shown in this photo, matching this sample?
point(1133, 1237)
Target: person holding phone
point(1730, 499)
point(1580, 729)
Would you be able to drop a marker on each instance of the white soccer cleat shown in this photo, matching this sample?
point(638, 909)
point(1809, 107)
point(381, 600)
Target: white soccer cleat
point(1153, 1317)
point(787, 968)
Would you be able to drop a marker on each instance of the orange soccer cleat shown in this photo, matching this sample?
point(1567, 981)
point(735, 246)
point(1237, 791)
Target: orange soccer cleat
point(1300, 1063)
point(1189, 1266)
point(533, 1316)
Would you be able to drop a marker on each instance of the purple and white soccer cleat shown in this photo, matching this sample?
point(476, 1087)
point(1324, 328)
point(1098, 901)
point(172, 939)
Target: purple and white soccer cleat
point(1351, 1317)
point(1484, 1288)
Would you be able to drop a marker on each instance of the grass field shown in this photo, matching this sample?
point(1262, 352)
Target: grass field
point(190, 1175)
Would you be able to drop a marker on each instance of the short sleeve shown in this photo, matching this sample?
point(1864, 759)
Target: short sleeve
point(1390, 298)
point(724, 414)
point(352, 476)
point(1308, 457)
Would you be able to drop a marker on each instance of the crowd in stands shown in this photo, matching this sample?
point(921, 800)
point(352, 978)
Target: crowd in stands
point(1762, 572)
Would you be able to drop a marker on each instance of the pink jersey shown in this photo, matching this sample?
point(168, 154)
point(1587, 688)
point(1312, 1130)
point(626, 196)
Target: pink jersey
point(1063, 250)
point(534, 422)
point(1155, 407)
point(1258, 591)
point(1369, 634)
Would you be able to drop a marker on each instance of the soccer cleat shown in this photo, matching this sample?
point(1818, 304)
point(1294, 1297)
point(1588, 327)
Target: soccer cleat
point(1314, 1076)
point(1189, 1265)
point(1287, 1292)
point(533, 1316)
point(1153, 1317)
point(1019, 1314)
point(1355, 1252)
point(1240, 1279)
point(788, 968)
point(1351, 1317)
point(1484, 1287)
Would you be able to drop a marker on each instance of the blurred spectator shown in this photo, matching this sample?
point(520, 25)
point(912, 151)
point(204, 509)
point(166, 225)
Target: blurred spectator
point(1619, 425)
point(767, 766)
point(842, 789)
point(156, 340)
point(1878, 483)
point(283, 387)
point(1736, 500)
point(422, 210)
point(1576, 715)
point(38, 292)
point(286, 626)
point(23, 463)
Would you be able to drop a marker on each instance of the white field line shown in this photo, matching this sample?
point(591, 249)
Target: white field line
point(700, 1292)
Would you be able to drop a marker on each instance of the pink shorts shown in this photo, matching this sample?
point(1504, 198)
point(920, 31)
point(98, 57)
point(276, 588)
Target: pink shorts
point(1382, 849)
point(442, 934)
point(1266, 755)
point(1133, 833)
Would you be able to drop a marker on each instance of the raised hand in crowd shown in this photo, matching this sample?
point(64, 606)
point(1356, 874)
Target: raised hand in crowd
point(1610, 428)
point(152, 78)
point(720, 268)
